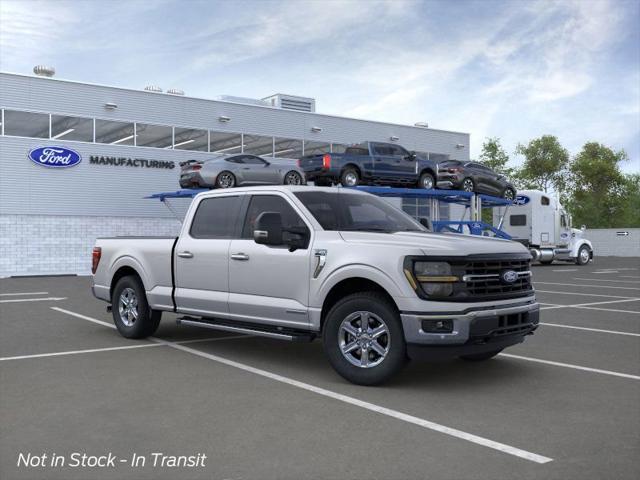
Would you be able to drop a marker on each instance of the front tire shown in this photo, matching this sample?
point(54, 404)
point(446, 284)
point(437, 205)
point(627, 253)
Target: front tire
point(480, 357)
point(225, 180)
point(363, 339)
point(427, 181)
point(509, 194)
point(350, 177)
point(131, 312)
point(584, 255)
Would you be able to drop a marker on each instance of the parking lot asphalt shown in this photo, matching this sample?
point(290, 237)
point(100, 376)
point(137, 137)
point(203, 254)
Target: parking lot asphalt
point(563, 405)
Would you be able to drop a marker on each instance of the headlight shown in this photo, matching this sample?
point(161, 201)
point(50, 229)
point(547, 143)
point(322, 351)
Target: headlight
point(435, 278)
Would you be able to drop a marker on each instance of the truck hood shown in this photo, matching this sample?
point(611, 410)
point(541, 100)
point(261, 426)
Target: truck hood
point(436, 244)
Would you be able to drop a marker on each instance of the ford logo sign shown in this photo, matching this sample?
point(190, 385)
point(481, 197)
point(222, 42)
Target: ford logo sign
point(55, 157)
point(521, 200)
point(509, 276)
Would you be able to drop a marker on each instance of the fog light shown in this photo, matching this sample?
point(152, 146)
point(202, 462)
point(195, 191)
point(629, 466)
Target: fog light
point(437, 326)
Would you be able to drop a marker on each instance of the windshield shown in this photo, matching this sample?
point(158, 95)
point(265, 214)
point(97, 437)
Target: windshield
point(366, 213)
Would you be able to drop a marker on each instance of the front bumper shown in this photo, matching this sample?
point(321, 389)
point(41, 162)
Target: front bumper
point(474, 331)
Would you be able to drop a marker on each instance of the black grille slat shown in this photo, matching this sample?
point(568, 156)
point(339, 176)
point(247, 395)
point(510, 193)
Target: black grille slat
point(481, 288)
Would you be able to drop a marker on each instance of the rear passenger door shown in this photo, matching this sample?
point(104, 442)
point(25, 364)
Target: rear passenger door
point(269, 284)
point(202, 256)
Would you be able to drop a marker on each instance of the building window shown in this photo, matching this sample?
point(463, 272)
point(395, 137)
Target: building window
point(72, 128)
point(287, 148)
point(157, 136)
point(26, 124)
point(225, 143)
point(191, 139)
point(115, 133)
point(316, 148)
point(258, 145)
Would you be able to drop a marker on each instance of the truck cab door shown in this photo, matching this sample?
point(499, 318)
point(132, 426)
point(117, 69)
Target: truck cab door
point(565, 229)
point(202, 257)
point(269, 284)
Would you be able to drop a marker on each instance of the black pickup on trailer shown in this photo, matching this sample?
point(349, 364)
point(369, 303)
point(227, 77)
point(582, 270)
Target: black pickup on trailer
point(371, 163)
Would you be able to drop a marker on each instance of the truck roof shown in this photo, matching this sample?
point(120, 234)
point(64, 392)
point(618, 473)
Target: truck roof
point(281, 188)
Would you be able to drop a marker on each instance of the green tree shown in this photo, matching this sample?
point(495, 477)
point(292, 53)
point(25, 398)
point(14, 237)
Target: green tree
point(495, 157)
point(545, 164)
point(600, 196)
point(630, 214)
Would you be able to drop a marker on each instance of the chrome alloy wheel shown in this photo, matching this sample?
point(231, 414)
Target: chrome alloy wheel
point(427, 182)
point(364, 339)
point(467, 185)
point(293, 178)
point(226, 180)
point(584, 255)
point(128, 306)
point(351, 179)
point(508, 194)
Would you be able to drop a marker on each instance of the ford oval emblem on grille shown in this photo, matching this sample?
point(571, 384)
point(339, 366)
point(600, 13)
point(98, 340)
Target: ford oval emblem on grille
point(509, 276)
point(55, 157)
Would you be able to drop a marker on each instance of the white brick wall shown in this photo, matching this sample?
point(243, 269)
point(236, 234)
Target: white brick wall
point(46, 245)
point(607, 242)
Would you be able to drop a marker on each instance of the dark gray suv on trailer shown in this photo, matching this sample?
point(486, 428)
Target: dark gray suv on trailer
point(474, 177)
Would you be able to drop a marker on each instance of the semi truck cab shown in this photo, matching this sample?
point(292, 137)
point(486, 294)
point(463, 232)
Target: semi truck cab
point(540, 222)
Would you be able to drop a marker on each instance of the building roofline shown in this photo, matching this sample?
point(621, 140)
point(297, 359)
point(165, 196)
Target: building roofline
point(232, 103)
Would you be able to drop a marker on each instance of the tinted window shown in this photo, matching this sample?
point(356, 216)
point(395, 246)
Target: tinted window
point(216, 218)
point(343, 211)
point(253, 160)
point(518, 220)
point(544, 200)
point(357, 151)
point(115, 133)
point(270, 203)
point(72, 128)
point(382, 149)
point(398, 151)
point(26, 124)
point(239, 159)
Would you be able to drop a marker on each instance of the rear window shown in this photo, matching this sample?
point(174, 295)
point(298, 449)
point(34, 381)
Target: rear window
point(216, 218)
point(518, 220)
point(356, 151)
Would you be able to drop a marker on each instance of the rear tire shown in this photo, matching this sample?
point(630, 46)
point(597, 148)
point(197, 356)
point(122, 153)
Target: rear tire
point(427, 181)
point(468, 185)
point(350, 177)
point(480, 357)
point(364, 353)
point(584, 255)
point(131, 312)
point(225, 180)
point(293, 178)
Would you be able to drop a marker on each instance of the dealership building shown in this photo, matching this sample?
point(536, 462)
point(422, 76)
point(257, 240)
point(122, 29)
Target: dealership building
point(127, 144)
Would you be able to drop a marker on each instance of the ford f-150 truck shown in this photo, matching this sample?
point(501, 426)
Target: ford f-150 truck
point(371, 163)
point(295, 263)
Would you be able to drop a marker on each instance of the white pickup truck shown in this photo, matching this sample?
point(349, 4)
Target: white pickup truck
point(300, 262)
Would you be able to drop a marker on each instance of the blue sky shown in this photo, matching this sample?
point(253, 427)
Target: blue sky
point(513, 69)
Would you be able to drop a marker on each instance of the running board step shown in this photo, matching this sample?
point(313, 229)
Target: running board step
point(257, 330)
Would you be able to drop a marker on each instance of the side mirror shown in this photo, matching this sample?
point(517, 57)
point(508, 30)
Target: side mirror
point(268, 229)
point(425, 222)
point(583, 228)
point(411, 156)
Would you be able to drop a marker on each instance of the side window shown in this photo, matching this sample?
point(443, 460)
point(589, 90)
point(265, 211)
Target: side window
point(563, 221)
point(398, 151)
point(238, 159)
point(381, 149)
point(253, 160)
point(270, 203)
point(216, 218)
point(544, 200)
point(518, 220)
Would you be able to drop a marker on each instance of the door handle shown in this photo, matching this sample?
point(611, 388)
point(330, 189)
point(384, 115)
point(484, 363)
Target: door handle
point(239, 256)
point(185, 254)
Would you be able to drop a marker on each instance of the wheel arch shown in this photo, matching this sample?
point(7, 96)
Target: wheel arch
point(351, 165)
point(349, 286)
point(121, 272)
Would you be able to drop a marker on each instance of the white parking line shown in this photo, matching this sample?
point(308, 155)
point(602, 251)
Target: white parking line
point(598, 330)
point(633, 312)
point(75, 352)
point(629, 276)
point(566, 270)
point(124, 347)
point(569, 365)
point(84, 317)
point(589, 306)
point(605, 272)
point(23, 293)
point(485, 442)
point(46, 299)
point(607, 280)
point(533, 457)
point(581, 285)
point(586, 294)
